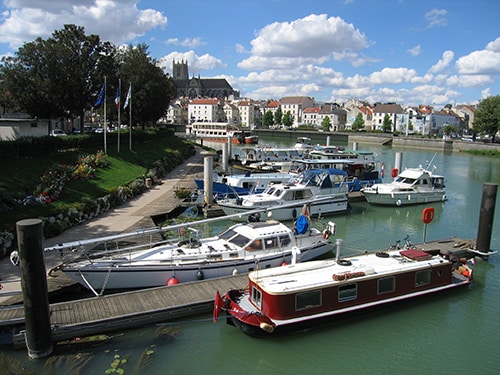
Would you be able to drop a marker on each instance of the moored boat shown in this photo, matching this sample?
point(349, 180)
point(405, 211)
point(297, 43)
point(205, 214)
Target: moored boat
point(235, 185)
point(239, 249)
point(324, 192)
point(298, 296)
point(411, 186)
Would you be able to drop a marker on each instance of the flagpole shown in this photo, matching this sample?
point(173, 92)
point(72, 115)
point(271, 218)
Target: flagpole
point(118, 105)
point(105, 126)
point(130, 118)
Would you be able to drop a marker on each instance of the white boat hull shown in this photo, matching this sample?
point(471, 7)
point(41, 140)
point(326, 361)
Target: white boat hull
point(337, 204)
point(107, 275)
point(404, 198)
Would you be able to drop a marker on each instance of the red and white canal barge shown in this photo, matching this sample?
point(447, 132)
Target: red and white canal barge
point(296, 296)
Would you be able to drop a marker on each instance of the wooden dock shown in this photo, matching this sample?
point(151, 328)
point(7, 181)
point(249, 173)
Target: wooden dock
point(119, 311)
point(113, 312)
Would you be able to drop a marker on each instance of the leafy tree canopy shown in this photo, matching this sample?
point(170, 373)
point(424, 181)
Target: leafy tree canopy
point(487, 116)
point(387, 123)
point(288, 119)
point(359, 122)
point(268, 119)
point(278, 115)
point(325, 124)
point(61, 76)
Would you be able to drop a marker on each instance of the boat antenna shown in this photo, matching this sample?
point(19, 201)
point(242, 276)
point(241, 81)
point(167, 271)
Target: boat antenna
point(429, 163)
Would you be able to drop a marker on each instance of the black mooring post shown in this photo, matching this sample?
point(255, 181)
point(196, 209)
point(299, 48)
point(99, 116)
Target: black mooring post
point(38, 334)
point(486, 216)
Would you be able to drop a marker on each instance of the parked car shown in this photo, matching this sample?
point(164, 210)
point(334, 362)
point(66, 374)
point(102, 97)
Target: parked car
point(57, 133)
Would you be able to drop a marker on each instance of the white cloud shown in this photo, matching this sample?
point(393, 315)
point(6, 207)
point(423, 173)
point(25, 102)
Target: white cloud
point(196, 63)
point(443, 62)
point(312, 39)
point(480, 62)
point(415, 51)
point(436, 18)
point(113, 20)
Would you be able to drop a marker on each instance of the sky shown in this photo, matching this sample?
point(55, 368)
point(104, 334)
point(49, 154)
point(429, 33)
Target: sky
point(404, 51)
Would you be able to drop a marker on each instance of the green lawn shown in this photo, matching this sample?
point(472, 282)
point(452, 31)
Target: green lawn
point(21, 176)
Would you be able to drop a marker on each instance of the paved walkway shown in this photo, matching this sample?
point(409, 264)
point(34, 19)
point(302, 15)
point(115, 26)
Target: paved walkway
point(135, 214)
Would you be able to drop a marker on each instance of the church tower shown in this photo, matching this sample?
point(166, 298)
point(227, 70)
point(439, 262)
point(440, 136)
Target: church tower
point(180, 70)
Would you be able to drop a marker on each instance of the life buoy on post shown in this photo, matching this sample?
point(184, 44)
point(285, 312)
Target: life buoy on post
point(394, 172)
point(427, 214)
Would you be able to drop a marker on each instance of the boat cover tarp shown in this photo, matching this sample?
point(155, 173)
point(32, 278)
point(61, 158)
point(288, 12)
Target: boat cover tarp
point(302, 224)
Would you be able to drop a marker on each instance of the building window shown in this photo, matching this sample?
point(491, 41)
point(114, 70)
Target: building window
point(386, 285)
point(422, 277)
point(256, 297)
point(348, 292)
point(307, 300)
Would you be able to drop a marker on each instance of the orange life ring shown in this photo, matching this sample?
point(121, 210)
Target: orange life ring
point(427, 214)
point(394, 172)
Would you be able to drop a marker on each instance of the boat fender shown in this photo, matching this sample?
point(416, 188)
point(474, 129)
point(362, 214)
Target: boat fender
point(294, 213)
point(200, 275)
point(394, 172)
point(326, 234)
point(172, 281)
point(398, 202)
point(266, 327)
point(344, 262)
point(382, 254)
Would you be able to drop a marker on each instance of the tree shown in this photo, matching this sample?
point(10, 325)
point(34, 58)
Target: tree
point(325, 124)
point(387, 123)
point(268, 119)
point(60, 76)
point(359, 122)
point(487, 116)
point(152, 89)
point(278, 115)
point(288, 119)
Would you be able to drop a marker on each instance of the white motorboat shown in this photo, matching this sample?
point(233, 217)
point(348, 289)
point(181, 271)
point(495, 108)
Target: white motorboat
point(323, 191)
point(241, 248)
point(411, 186)
point(234, 185)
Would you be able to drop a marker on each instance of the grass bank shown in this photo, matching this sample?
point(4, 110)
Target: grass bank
point(157, 155)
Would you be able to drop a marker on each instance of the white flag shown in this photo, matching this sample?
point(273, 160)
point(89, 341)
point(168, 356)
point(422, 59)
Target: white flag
point(129, 94)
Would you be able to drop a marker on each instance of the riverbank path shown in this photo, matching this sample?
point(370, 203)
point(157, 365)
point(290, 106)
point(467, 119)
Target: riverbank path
point(132, 215)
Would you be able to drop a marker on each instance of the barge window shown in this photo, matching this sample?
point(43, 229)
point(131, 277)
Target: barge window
point(386, 285)
point(257, 297)
point(307, 300)
point(422, 277)
point(348, 292)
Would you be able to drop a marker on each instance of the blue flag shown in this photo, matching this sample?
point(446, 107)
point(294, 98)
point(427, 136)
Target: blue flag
point(100, 97)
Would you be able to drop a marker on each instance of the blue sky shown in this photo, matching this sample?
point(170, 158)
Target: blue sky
point(405, 51)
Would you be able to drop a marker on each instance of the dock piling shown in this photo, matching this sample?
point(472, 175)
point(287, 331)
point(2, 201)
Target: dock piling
point(486, 216)
point(38, 335)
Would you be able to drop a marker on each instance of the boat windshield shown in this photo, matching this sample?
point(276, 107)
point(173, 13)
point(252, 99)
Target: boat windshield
point(406, 180)
point(234, 237)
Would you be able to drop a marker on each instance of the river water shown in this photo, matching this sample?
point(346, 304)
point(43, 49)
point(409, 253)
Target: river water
point(453, 333)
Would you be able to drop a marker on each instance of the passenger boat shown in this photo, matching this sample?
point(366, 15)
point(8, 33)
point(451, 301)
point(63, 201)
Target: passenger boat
point(323, 191)
point(235, 185)
point(411, 186)
point(298, 296)
point(250, 155)
point(304, 144)
point(361, 171)
point(244, 137)
point(239, 249)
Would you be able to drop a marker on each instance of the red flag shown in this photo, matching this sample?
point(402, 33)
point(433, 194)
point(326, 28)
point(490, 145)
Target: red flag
point(218, 304)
